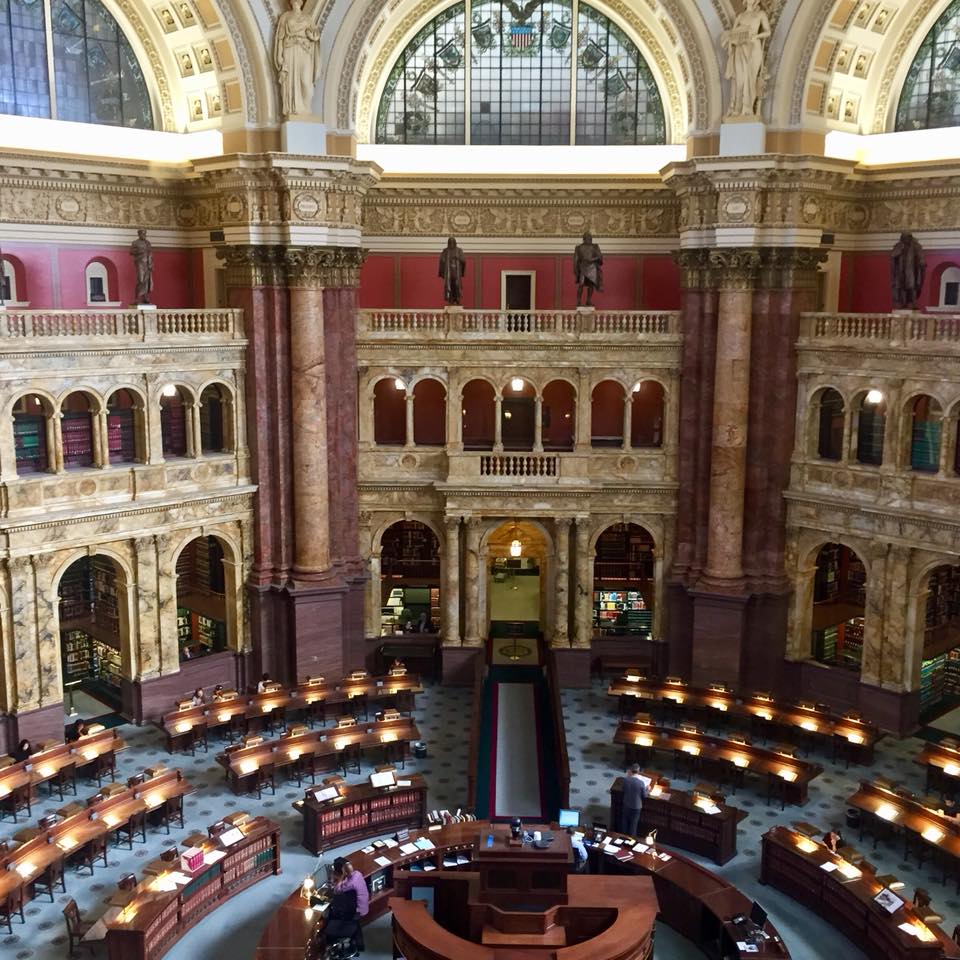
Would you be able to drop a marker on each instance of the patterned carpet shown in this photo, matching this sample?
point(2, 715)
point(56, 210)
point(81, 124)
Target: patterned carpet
point(443, 717)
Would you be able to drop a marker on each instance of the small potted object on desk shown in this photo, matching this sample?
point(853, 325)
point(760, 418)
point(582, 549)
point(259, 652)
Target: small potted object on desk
point(419, 749)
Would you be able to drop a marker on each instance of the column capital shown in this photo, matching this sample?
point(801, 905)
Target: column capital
point(785, 268)
point(695, 272)
point(322, 267)
point(253, 266)
point(563, 523)
point(735, 267)
point(451, 523)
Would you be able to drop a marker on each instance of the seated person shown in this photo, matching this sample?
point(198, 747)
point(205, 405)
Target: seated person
point(197, 700)
point(22, 751)
point(346, 878)
point(579, 854)
point(832, 841)
point(263, 683)
point(342, 922)
point(218, 692)
point(76, 731)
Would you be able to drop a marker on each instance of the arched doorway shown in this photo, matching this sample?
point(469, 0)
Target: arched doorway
point(174, 434)
point(124, 427)
point(518, 415)
point(390, 412)
point(201, 599)
point(839, 604)
point(93, 634)
point(940, 666)
point(31, 434)
point(518, 570)
point(76, 426)
point(830, 425)
point(559, 415)
point(429, 413)
point(606, 414)
point(479, 415)
point(409, 579)
point(646, 414)
point(623, 581)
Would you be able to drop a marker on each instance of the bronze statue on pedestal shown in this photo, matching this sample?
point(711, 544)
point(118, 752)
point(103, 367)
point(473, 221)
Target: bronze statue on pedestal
point(142, 252)
point(453, 268)
point(588, 268)
point(907, 269)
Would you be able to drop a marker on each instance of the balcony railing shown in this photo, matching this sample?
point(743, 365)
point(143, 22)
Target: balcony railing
point(894, 328)
point(131, 324)
point(567, 324)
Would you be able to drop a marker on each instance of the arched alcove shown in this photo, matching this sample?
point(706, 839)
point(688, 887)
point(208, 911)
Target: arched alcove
point(606, 414)
point(926, 424)
point(215, 419)
point(559, 415)
point(519, 568)
point(76, 427)
point(390, 412)
point(871, 424)
point(646, 414)
point(100, 282)
point(940, 666)
point(839, 607)
point(429, 413)
point(479, 410)
point(202, 587)
point(31, 432)
point(518, 415)
point(623, 581)
point(174, 429)
point(125, 439)
point(829, 410)
point(409, 579)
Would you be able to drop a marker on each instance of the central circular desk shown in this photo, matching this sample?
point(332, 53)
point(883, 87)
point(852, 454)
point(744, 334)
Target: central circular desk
point(500, 901)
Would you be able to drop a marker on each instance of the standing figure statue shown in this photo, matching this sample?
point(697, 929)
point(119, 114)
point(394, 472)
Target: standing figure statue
point(746, 42)
point(907, 269)
point(142, 252)
point(297, 59)
point(453, 268)
point(588, 268)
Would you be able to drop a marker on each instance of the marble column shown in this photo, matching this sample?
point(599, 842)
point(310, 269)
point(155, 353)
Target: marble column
point(168, 642)
point(561, 630)
point(800, 615)
point(408, 411)
point(101, 439)
point(948, 448)
point(148, 609)
point(47, 604)
point(454, 412)
point(476, 585)
point(498, 424)
point(450, 589)
point(373, 620)
point(55, 442)
point(583, 424)
point(194, 445)
point(846, 454)
point(8, 451)
point(583, 587)
point(538, 424)
point(731, 395)
point(627, 421)
point(893, 448)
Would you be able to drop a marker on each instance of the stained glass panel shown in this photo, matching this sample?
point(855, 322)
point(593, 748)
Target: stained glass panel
point(23, 59)
point(931, 92)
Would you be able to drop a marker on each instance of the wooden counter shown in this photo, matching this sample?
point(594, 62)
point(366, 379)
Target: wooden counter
point(693, 900)
point(682, 820)
point(942, 764)
point(844, 897)
point(362, 811)
point(790, 776)
point(155, 918)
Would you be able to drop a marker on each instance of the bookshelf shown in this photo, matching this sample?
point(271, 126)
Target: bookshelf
point(106, 662)
point(173, 427)
point(121, 436)
point(30, 442)
point(90, 622)
point(932, 681)
point(77, 656)
point(621, 612)
point(362, 812)
point(77, 431)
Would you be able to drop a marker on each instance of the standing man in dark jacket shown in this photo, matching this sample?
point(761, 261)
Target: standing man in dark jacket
point(634, 793)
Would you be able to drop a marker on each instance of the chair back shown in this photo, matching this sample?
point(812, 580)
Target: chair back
point(71, 913)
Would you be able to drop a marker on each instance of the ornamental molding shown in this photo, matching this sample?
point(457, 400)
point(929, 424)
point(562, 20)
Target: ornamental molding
point(132, 14)
point(253, 266)
point(322, 267)
point(814, 35)
point(735, 268)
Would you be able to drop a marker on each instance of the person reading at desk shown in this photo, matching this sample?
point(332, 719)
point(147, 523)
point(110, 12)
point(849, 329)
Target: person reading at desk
point(76, 731)
point(22, 751)
point(264, 683)
point(197, 699)
point(346, 878)
point(832, 841)
point(634, 793)
point(218, 692)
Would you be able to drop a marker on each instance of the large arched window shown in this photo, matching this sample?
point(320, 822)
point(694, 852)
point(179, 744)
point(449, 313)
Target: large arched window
point(931, 92)
point(97, 78)
point(530, 63)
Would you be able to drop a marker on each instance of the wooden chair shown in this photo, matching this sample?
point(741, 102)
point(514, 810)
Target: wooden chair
point(65, 781)
point(197, 738)
point(277, 717)
point(10, 906)
point(16, 800)
point(235, 728)
point(305, 766)
point(91, 852)
point(265, 778)
point(77, 927)
point(136, 824)
point(394, 752)
point(103, 768)
point(359, 705)
point(172, 812)
point(316, 712)
point(49, 879)
point(349, 758)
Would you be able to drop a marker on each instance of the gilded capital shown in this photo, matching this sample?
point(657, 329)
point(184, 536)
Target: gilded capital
point(694, 268)
point(252, 266)
point(323, 267)
point(790, 268)
point(735, 267)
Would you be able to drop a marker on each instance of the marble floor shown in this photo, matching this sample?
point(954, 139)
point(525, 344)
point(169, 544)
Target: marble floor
point(443, 717)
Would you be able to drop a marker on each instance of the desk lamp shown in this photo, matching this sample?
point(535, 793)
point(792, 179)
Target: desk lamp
point(516, 828)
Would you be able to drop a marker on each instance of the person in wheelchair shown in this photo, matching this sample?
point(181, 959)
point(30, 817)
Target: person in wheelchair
point(342, 928)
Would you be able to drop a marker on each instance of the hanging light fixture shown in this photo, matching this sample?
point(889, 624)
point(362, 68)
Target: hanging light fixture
point(516, 544)
point(874, 396)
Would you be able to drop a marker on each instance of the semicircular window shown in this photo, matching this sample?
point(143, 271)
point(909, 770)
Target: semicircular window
point(96, 75)
point(931, 92)
point(525, 73)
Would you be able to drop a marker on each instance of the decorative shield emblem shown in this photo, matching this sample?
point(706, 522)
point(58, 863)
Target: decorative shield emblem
point(559, 35)
point(450, 56)
point(483, 38)
point(425, 84)
point(415, 122)
point(617, 84)
point(521, 36)
point(592, 56)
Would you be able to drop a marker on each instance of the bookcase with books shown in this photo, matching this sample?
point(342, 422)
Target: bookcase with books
point(621, 612)
point(106, 661)
point(77, 432)
point(121, 435)
point(77, 656)
point(361, 811)
point(30, 442)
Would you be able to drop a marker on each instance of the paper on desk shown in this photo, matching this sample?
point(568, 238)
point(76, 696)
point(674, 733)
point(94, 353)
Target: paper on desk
point(408, 848)
point(829, 866)
point(665, 857)
point(404, 783)
point(178, 877)
point(389, 844)
point(747, 947)
point(214, 856)
point(367, 849)
point(640, 847)
point(383, 861)
point(609, 848)
point(425, 843)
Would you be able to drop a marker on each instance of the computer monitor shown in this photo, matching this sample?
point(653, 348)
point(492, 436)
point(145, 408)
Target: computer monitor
point(758, 915)
point(569, 818)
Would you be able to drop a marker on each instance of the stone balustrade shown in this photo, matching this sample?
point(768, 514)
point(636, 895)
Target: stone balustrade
point(493, 324)
point(894, 328)
point(131, 324)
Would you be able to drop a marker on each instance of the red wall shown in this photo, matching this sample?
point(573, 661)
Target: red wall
point(631, 282)
point(865, 280)
point(55, 274)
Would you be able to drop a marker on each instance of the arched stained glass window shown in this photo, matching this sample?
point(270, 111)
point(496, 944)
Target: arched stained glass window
point(97, 78)
point(525, 73)
point(931, 92)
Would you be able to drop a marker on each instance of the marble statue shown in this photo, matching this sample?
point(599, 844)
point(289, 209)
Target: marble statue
point(453, 268)
point(745, 42)
point(142, 252)
point(907, 269)
point(588, 268)
point(297, 59)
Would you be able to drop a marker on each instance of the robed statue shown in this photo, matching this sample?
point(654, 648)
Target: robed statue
point(588, 268)
point(142, 252)
point(746, 42)
point(907, 269)
point(453, 268)
point(297, 59)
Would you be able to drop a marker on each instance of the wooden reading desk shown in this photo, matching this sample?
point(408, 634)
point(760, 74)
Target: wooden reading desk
point(843, 894)
point(695, 821)
point(765, 715)
point(242, 763)
point(254, 708)
point(170, 900)
point(788, 774)
point(48, 762)
point(942, 763)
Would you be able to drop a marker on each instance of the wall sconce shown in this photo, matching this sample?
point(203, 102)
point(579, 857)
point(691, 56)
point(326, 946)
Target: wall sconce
point(399, 384)
point(874, 397)
point(516, 384)
point(169, 390)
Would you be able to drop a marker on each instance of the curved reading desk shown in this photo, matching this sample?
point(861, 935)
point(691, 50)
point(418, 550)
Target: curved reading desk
point(499, 901)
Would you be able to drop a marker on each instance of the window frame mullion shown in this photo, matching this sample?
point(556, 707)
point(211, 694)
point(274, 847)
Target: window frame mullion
point(51, 73)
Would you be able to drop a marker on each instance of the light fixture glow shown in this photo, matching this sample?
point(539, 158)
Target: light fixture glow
point(874, 396)
point(399, 384)
point(805, 845)
point(170, 390)
point(516, 548)
point(636, 387)
point(516, 384)
point(886, 811)
point(951, 769)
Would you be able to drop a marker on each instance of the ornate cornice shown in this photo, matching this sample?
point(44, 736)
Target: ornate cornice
point(321, 267)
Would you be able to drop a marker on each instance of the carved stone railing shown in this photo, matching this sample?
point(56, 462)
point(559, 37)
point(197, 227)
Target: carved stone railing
point(518, 465)
point(493, 324)
point(131, 324)
point(893, 328)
